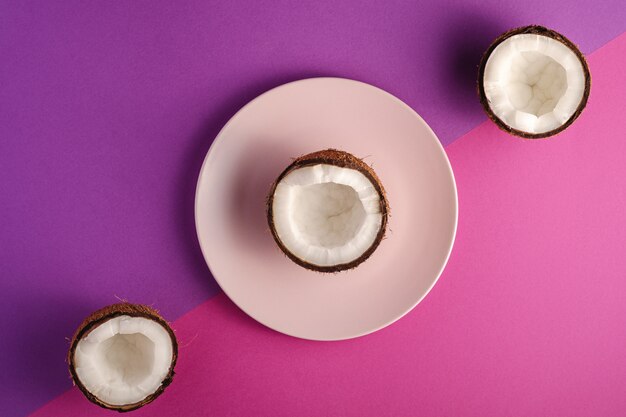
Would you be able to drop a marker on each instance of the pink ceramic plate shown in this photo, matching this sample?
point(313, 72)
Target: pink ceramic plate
point(259, 142)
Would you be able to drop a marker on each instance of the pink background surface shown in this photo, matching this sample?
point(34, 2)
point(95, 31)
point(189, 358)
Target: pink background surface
point(529, 318)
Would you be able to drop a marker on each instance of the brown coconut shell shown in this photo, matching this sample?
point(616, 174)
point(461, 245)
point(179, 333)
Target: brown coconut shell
point(99, 317)
point(344, 160)
point(535, 30)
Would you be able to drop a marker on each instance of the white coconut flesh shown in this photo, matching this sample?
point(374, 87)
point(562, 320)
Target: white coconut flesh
point(533, 83)
point(326, 215)
point(124, 359)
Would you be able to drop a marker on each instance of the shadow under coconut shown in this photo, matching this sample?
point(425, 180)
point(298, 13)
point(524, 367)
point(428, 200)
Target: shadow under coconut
point(260, 166)
point(466, 40)
point(194, 157)
point(42, 342)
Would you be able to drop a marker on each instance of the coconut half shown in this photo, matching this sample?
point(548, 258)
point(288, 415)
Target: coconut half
point(328, 211)
point(533, 82)
point(122, 357)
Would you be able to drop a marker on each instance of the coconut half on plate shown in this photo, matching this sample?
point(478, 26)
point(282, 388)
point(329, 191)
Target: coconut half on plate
point(533, 82)
point(328, 211)
point(123, 356)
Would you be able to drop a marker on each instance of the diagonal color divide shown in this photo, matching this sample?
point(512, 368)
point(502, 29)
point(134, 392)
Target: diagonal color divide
point(528, 319)
point(108, 108)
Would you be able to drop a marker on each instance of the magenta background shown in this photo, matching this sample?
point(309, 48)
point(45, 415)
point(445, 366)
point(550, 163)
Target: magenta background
point(107, 110)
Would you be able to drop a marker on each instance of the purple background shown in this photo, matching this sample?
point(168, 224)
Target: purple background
point(108, 108)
